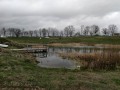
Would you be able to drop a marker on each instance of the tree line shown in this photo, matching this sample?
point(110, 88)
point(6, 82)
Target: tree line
point(68, 31)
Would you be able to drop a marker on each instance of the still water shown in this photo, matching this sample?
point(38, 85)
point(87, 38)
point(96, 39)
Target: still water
point(51, 59)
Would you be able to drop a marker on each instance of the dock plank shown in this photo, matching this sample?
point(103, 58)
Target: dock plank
point(32, 50)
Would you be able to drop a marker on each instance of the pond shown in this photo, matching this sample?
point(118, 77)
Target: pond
point(51, 59)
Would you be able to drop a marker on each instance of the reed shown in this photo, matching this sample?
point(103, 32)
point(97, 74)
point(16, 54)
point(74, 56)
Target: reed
point(107, 60)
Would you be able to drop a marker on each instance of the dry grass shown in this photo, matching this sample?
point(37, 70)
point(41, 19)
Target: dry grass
point(104, 46)
point(108, 46)
point(105, 60)
point(66, 44)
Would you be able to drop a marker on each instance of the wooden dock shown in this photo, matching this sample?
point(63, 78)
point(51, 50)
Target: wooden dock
point(33, 49)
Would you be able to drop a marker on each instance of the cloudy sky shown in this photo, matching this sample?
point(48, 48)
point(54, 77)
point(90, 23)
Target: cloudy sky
point(35, 14)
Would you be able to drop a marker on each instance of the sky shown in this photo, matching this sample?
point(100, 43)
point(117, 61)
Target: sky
point(35, 14)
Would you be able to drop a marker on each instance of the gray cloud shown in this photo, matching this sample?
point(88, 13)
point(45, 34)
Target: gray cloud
point(34, 14)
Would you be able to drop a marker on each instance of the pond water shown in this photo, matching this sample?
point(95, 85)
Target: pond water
point(51, 59)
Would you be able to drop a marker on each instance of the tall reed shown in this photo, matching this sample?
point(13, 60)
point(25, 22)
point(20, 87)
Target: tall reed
point(99, 60)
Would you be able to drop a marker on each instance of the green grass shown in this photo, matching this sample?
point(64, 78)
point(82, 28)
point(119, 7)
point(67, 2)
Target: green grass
point(20, 69)
point(117, 81)
point(89, 40)
point(3, 40)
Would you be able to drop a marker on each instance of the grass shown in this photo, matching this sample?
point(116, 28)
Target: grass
point(19, 70)
point(88, 40)
point(3, 40)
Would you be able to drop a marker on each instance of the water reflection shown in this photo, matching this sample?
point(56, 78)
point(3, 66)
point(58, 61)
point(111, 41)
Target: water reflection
point(56, 62)
point(73, 49)
point(51, 58)
point(41, 55)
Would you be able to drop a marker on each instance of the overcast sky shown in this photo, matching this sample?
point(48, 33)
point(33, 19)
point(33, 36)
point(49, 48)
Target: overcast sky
point(35, 14)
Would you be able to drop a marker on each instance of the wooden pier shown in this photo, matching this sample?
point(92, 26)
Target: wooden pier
point(33, 49)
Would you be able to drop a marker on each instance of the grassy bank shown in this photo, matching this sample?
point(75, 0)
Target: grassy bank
point(87, 40)
point(19, 70)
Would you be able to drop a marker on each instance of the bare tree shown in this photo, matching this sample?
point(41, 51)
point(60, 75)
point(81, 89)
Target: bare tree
point(54, 32)
point(61, 33)
point(49, 31)
point(11, 32)
point(36, 33)
point(57, 32)
point(31, 33)
point(26, 33)
point(82, 29)
point(44, 32)
point(95, 29)
point(16, 32)
point(66, 31)
point(40, 32)
point(69, 30)
point(112, 28)
point(86, 30)
point(91, 33)
point(4, 31)
point(22, 32)
point(105, 31)
point(77, 34)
